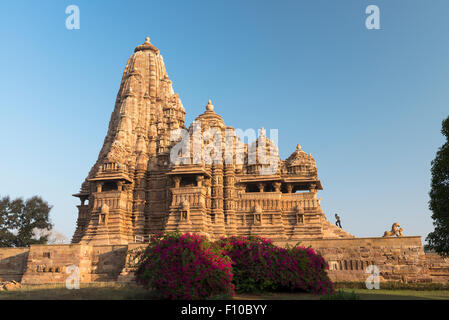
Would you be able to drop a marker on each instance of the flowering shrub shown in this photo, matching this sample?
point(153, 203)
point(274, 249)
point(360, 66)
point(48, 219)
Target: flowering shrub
point(184, 266)
point(259, 265)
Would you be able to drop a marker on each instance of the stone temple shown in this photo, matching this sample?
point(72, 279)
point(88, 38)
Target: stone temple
point(143, 183)
point(134, 189)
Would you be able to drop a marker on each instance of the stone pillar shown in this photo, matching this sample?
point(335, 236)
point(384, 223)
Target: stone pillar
point(139, 201)
point(177, 181)
point(277, 186)
point(217, 200)
point(199, 181)
point(229, 200)
point(99, 186)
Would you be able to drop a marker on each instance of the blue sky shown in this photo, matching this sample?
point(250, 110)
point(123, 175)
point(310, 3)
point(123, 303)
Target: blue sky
point(368, 104)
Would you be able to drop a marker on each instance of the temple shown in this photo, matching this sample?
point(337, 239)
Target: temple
point(136, 189)
point(155, 174)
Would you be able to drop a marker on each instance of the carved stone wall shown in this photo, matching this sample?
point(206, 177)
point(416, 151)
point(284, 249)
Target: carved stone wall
point(13, 263)
point(398, 259)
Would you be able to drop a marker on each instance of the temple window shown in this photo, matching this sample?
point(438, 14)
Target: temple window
point(226, 219)
point(188, 181)
point(212, 218)
point(252, 188)
point(300, 188)
point(109, 186)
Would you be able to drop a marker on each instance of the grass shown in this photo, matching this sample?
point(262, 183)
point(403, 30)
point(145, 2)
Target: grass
point(116, 291)
point(88, 291)
point(395, 286)
point(341, 294)
point(403, 294)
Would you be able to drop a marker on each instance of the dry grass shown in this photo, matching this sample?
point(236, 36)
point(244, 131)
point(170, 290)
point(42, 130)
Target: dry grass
point(87, 291)
point(116, 291)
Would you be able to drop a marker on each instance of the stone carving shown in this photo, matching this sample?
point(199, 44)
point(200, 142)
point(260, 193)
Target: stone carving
point(184, 211)
point(134, 190)
point(9, 285)
point(396, 230)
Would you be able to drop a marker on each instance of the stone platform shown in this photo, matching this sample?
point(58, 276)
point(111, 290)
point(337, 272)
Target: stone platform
point(399, 259)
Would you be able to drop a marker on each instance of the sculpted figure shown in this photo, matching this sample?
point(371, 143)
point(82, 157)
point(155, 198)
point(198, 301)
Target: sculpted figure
point(395, 231)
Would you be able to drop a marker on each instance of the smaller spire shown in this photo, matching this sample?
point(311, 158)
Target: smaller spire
point(210, 106)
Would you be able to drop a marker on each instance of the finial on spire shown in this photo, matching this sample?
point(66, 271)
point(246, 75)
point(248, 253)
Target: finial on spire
point(262, 131)
point(210, 106)
point(147, 40)
point(298, 147)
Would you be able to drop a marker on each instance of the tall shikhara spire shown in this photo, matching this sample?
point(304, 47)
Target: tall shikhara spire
point(133, 190)
point(146, 110)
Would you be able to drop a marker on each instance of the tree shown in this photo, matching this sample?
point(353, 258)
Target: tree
point(438, 240)
point(19, 219)
point(53, 236)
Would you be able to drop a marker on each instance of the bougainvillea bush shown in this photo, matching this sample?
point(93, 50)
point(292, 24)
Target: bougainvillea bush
point(259, 265)
point(186, 266)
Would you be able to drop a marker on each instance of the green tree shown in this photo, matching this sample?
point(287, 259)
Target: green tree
point(438, 240)
point(20, 219)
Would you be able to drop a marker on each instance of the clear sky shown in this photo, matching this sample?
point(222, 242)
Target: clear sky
point(368, 104)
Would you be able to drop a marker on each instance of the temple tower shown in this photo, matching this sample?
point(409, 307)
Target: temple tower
point(138, 137)
point(224, 186)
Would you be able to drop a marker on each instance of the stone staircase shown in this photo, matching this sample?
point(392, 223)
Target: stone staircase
point(438, 267)
point(332, 231)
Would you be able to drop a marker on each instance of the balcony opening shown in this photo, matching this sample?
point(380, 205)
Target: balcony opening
point(300, 189)
point(109, 186)
point(284, 188)
point(189, 181)
point(252, 188)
